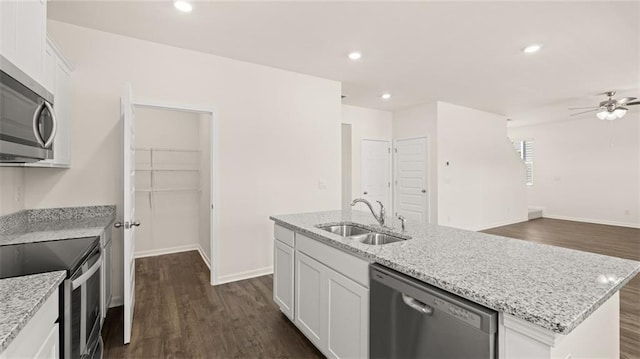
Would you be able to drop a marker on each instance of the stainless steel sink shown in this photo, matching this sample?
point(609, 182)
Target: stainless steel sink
point(377, 238)
point(345, 230)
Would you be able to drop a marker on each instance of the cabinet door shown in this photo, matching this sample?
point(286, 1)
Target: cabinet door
point(283, 267)
point(310, 305)
point(348, 317)
point(31, 17)
point(8, 29)
point(51, 347)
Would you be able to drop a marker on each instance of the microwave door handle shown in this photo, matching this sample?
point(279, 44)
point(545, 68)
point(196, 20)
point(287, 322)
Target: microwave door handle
point(54, 125)
point(85, 276)
point(36, 124)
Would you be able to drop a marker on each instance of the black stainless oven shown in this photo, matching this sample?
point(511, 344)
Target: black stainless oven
point(27, 119)
point(82, 309)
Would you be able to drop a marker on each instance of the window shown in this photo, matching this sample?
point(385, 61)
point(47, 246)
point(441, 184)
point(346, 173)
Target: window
point(525, 150)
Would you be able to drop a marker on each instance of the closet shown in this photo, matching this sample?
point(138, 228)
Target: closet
point(172, 171)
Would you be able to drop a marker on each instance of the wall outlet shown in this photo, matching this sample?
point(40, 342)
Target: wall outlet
point(18, 194)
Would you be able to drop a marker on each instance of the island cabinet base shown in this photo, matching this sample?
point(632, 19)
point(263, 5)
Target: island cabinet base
point(324, 292)
point(598, 336)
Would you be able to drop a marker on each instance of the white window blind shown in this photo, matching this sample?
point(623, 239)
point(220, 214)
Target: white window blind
point(525, 150)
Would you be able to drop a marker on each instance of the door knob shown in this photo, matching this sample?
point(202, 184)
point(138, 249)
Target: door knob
point(117, 224)
point(424, 191)
point(135, 224)
point(365, 193)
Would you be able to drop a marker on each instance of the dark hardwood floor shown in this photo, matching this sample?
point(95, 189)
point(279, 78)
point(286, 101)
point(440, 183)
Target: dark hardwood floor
point(609, 240)
point(180, 315)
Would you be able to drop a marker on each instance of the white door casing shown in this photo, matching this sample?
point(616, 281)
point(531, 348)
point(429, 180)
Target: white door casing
point(128, 208)
point(375, 172)
point(411, 179)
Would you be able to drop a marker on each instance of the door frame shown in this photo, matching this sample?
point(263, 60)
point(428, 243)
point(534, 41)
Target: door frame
point(214, 193)
point(391, 169)
point(395, 172)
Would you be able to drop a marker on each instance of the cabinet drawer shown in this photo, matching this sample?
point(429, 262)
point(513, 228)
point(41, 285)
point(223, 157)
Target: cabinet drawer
point(342, 262)
point(284, 235)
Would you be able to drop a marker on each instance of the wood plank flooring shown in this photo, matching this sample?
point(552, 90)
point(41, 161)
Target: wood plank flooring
point(609, 240)
point(180, 315)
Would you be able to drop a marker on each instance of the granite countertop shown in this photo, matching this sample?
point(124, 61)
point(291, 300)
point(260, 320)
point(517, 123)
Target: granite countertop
point(20, 300)
point(38, 225)
point(553, 287)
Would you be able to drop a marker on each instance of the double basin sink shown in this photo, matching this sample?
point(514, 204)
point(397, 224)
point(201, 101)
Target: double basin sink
point(361, 234)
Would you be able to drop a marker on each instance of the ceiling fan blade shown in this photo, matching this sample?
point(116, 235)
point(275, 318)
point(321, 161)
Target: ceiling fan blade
point(582, 108)
point(632, 103)
point(580, 113)
point(625, 100)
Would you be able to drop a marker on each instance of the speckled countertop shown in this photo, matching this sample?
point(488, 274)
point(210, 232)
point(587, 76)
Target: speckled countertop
point(555, 288)
point(37, 225)
point(20, 299)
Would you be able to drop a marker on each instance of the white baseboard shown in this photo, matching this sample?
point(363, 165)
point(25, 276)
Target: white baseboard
point(244, 275)
point(204, 257)
point(159, 252)
point(116, 302)
point(591, 220)
point(503, 223)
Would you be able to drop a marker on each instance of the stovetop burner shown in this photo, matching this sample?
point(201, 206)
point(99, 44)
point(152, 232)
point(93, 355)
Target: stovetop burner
point(40, 257)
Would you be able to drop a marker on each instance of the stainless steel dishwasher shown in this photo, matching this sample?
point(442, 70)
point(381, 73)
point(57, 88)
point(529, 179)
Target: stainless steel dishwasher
point(411, 319)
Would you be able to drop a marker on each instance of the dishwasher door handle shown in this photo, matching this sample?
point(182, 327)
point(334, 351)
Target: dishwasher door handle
point(417, 305)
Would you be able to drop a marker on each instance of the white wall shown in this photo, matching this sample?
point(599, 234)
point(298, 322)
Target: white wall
point(367, 124)
point(11, 190)
point(170, 219)
point(483, 185)
point(422, 121)
point(279, 136)
point(586, 169)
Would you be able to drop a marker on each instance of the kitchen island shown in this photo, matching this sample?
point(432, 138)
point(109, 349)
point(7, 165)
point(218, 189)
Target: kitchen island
point(553, 302)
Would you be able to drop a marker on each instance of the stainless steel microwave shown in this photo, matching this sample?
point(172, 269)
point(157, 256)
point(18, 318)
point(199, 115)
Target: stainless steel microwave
point(27, 119)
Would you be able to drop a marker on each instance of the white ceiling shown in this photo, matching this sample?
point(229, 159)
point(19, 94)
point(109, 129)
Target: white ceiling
point(467, 53)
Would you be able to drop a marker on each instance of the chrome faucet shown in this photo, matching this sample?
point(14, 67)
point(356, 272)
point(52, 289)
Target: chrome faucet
point(380, 218)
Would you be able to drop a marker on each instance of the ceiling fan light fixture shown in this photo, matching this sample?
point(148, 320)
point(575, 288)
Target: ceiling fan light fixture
point(620, 112)
point(602, 115)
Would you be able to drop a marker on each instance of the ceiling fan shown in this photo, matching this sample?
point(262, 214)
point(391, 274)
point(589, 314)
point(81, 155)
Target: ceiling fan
point(610, 109)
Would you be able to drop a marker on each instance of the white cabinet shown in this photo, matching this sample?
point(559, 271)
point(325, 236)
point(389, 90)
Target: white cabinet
point(347, 317)
point(283, 263)
point(311, 311)
point(23, 35)
point(331, 302)
point(40, 337)
point(105, 280)
point(58, 81)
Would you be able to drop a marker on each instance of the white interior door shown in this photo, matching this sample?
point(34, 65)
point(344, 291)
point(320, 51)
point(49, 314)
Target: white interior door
point(411, 180)
point(375, 176)
point(128, 209)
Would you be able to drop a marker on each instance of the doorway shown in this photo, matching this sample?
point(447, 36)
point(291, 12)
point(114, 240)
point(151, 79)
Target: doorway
point(411, 180)
point(175, 163)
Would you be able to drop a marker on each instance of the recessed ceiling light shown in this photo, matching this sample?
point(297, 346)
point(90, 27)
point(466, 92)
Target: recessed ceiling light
point(183, 6)
point(386, 96)
point(532, 48)
point(355, 56)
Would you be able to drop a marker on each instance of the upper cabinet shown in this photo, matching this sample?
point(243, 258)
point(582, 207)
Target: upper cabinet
point(23, 33)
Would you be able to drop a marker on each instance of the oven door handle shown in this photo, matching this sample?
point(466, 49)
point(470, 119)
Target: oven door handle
point(85, 276)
